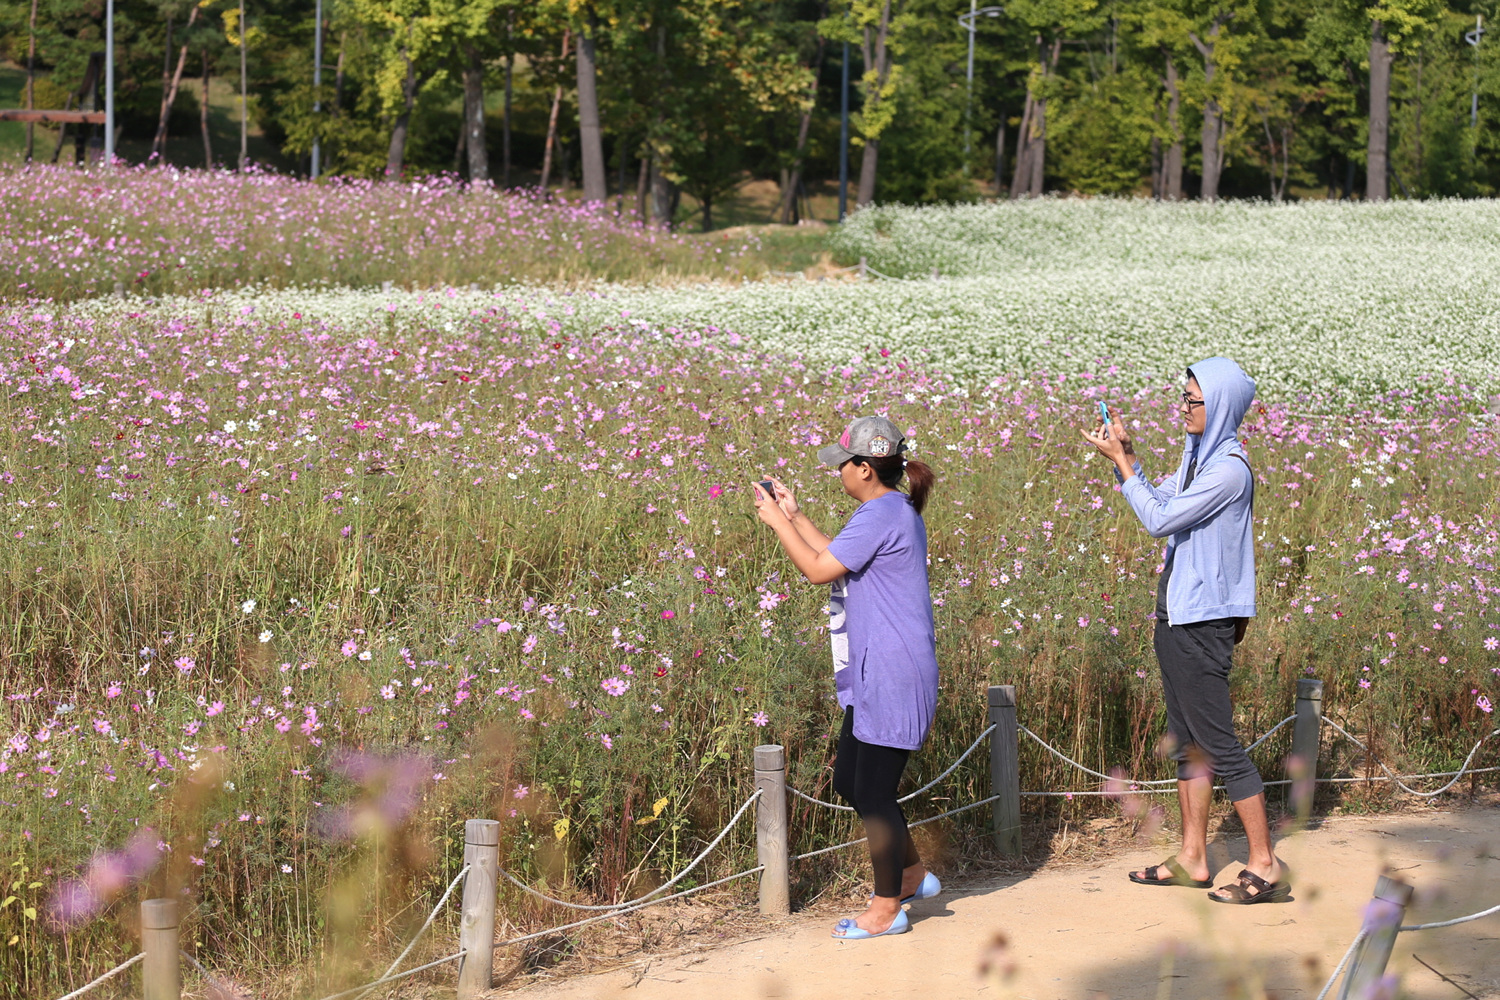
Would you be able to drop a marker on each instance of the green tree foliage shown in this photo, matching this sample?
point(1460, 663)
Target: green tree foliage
point(1276, 99)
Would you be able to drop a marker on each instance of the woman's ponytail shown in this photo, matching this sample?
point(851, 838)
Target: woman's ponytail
point(919, 478)
point(918, 474)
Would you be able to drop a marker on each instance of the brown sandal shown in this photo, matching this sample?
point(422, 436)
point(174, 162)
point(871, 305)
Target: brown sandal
point(1240, 894)
point(1179, 876)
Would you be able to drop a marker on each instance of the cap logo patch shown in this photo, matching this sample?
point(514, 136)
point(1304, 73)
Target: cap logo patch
point(844, 440)
point(880, 447)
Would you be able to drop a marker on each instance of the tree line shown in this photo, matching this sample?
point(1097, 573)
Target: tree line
point(643, 101)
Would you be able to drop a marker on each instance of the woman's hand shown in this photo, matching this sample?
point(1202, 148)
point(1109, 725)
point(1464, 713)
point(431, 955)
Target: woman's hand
point(784, 498)
point(766, 507)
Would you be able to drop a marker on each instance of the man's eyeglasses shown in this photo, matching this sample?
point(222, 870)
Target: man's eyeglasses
point(1190, 402)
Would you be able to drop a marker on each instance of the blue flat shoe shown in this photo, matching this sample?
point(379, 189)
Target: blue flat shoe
point(848, 930)
point(930, 887)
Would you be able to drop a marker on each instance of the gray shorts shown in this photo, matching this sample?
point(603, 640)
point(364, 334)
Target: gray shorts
point(1195, 661)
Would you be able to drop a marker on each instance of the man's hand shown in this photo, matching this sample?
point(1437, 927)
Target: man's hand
point(1116, 446)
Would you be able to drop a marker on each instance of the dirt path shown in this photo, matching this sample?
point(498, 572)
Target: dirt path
point(1085, 932)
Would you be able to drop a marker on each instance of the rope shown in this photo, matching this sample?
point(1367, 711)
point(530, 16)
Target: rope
point(1338, 970)
point(617, 913)
point(224, 992)
point(1405, 787)
point(399, 975)
point(666, 885)
point(112, 972)
point(1067, 759)
point(920, 822)
point(905, 798)
point(1452, 923)
point(421, 930)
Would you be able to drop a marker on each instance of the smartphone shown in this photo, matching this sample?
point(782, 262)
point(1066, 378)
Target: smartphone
point(1104, 414)
point(769, 487)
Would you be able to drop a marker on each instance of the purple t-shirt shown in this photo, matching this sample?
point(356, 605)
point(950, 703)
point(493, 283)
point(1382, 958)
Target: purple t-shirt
point(892, 644)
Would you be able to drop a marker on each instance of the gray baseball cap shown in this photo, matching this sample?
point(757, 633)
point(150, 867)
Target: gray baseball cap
point(867, 437)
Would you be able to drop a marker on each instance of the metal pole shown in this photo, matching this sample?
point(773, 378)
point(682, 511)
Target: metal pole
point(970, 24)
point(1382, 924)
point(161, 972)
point(844, 136)
point(109, 83)
point(1005, 769)
point(1474, 38)
point(244, 95)
point(317, 84)
point(476, 932)
point(771, 831)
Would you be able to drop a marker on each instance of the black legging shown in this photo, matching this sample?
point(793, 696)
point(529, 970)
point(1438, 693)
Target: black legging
point(866, 775)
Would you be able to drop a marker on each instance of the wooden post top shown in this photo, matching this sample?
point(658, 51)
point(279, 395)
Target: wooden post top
point(1309, 689)
point(1002, 696)
point(482, 832)
point(159, 914)
point(770, 757)
point(1393, 890)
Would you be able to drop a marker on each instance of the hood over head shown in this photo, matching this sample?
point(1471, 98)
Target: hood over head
point(1227, 394)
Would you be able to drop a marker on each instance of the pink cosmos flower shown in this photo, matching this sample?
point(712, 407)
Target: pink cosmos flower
point(760, 719)
point(715, 491)
point(349, 648)
point(1484, 705)
point(668, 615)
point(184, 664)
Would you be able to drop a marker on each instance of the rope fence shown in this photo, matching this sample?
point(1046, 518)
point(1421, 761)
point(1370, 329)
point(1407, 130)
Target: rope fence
point(108, 975)
point(1372, 946)
point(161, 956)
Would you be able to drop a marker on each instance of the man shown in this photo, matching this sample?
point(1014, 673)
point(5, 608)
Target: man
point(1204, 596)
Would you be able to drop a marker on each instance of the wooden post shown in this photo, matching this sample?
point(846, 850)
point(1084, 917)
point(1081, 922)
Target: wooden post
point(476, 933)
point(1005, 769)
point(771, 831)
point(1382, 924)
point(161, 970)
point(864, 268)
point(1306, 738)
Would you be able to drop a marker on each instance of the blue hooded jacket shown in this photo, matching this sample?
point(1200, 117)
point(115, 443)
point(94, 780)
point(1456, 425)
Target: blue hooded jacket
point(1208, 527)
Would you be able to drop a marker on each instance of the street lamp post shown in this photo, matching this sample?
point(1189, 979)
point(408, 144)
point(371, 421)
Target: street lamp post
point(969, 22)
point(844, 135)
point(109, 84)
point(317, 83)
point(1473, 38)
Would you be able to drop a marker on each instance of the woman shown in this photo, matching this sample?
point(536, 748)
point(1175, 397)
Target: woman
point(1204, 596)
point(890, 695)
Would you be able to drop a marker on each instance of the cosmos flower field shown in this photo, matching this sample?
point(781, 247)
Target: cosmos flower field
point(296, 580)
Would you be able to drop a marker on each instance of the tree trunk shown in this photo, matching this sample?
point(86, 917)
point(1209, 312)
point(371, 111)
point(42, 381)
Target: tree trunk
point(169, 97)
point(1000, 157)
point(396, 156)
point(338, 76)
point(1021, 179)
point(663, 195)
point(552, 125)
point(510, 64)
point(31, 81)
point(708, 211)
point(590, 138)
point(1376, 184)
point(479, 158)
point(1156, 173)
point(1038, 157)
point(1172, 166)
point(793, 177)
point(1213, 125)
point(881, 64)
point(642, 186)
point(208, 146)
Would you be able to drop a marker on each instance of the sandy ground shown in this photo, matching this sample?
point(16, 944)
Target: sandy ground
point(1081, 932)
